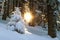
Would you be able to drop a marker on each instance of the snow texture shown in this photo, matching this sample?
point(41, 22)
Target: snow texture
point(10, 35)
point(20, 26)
point(16, 21)
point(13, 35)
point(59, 0)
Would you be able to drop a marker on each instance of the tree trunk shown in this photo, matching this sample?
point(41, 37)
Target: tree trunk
point(51, 22)
point(13, 4)
point(6, 10)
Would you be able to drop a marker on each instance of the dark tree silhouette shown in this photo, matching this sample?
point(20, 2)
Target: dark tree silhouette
point(51, 20)
point(6, 10)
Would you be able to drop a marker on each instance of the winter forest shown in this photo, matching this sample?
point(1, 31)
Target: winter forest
point(29, 19)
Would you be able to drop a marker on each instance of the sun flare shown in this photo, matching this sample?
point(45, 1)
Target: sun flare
point(28, 17)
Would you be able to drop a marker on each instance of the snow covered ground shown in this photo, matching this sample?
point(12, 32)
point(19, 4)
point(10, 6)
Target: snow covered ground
point(12, 35)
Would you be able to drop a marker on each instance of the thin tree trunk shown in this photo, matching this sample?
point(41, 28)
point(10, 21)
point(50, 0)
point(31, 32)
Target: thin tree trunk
point(13, 4)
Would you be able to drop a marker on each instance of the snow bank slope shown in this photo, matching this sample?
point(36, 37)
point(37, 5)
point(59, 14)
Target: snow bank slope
point(9, 35)
point(12, 35)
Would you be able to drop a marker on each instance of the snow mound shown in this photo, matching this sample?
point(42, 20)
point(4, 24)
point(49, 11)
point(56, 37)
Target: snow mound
point(20, 26)
point(55, 39)
point(10, 35)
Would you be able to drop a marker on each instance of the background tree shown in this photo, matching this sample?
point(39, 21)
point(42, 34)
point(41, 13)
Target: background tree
point(6, 10)
point(51, 18)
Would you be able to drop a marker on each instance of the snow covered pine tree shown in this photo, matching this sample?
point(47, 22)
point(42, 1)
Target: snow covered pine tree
point(16, 22)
